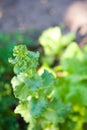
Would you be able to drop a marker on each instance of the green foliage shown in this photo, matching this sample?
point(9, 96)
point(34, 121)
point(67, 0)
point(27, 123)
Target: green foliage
point(51, 101)
point(28, 86)
point(7, 100)
point(53, 98)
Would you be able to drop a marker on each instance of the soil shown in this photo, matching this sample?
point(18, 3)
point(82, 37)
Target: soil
point(30, 14)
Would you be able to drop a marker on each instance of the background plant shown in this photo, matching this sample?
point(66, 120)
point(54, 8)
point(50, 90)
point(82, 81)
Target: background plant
point(53, 42)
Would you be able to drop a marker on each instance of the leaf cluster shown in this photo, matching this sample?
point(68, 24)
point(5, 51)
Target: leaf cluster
point(53, 98)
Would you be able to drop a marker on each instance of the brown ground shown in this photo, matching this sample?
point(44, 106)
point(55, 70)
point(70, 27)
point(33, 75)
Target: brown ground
point(28, 14)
